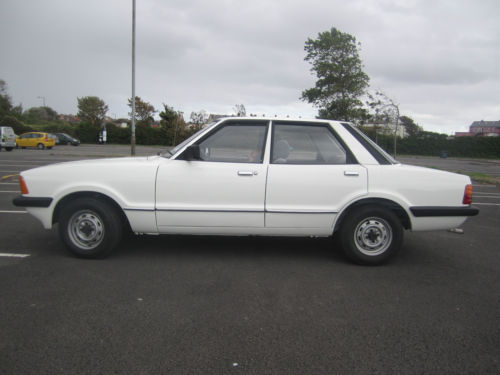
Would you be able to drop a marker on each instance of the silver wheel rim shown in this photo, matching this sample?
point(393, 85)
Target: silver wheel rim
point(373, 236)
point(86, 229)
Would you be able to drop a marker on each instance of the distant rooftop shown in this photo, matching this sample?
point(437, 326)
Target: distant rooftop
point(495, 124)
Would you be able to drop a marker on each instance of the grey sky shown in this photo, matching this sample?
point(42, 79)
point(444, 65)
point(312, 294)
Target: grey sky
point(439, 60)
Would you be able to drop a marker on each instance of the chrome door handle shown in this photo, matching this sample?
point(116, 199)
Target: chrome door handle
point(247, 173)
point(351, 173)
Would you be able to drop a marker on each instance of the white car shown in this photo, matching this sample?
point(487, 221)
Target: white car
point(251, 176)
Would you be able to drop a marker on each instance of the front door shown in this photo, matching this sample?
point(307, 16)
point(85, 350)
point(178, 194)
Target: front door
point(224, 189)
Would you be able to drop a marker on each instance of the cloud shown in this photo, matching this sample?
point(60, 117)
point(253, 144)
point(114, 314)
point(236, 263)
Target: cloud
point(438, 59)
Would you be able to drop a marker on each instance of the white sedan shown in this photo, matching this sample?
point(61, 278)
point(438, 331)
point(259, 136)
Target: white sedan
point(250, 176)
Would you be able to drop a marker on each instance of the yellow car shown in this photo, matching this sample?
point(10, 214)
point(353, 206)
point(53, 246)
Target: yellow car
point(39, 140)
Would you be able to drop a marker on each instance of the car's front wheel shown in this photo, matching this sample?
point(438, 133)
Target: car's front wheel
point(40, 146)
point(371, 235)
point(89, 227)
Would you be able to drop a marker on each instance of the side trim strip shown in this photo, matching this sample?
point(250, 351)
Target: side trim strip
point(434, 211)
point(140, 209)
point(244, 211)
point(21, 201)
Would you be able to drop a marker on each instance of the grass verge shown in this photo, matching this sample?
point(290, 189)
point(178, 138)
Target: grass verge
point(482, 177)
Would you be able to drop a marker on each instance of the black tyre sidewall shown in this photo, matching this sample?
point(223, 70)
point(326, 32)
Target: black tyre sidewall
point(349, 224)
point(110, 218)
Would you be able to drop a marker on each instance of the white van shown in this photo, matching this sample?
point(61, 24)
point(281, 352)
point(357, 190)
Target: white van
point(7, 138)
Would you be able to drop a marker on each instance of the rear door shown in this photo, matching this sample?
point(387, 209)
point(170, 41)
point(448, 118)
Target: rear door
point(312, 175)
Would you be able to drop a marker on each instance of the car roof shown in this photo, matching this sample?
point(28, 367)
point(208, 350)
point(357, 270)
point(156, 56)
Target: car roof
point(289, 119)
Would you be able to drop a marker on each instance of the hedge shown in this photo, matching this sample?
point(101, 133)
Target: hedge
point(432, 144)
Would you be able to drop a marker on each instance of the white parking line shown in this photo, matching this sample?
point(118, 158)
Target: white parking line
point(486, 204)
point(10, 191)
point(487, 196)
point(12, 212)
point(12, 255)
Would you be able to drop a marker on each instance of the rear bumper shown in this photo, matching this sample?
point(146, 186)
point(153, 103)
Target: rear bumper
point(21, 201)
point(434, 211)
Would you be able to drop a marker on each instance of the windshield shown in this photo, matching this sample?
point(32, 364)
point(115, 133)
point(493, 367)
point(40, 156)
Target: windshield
point(181, 145)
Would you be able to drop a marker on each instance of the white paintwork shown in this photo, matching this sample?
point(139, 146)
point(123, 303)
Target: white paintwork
point(198, 193)
point(168, 195)
point(310, 196)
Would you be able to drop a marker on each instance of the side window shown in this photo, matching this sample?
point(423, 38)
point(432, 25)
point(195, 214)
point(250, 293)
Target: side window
point(235, 143)
point(306, 144)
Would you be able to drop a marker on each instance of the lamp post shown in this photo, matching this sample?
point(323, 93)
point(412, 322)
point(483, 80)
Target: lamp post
point(43, 99)
point(132, 126)
point(396, 108)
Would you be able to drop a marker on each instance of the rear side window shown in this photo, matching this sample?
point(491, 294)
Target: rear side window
point(375, 150)
point(307, 144)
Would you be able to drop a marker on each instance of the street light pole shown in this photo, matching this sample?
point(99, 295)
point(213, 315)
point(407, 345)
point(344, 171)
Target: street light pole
point(43, 99)
point(397, 123)
point(132, 127)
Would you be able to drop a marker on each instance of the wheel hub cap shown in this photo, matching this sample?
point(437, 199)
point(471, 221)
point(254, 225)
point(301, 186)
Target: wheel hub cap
point(373, 236)
point(86, 229)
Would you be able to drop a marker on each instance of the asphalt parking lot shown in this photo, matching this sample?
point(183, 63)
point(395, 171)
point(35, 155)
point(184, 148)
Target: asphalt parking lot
point(210, 305)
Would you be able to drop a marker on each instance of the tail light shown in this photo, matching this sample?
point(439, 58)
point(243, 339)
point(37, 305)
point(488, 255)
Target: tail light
point(22, 186)
point(467, 194)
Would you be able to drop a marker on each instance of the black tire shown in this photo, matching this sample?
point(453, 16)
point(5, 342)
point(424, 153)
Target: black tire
point(371, 235)
point(40, 146)
point(90, 228)
point(9, 148)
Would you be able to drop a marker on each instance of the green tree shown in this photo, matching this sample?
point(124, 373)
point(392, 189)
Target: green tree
point(6, 106)
point(15, 124)
point(144, 111)
point(198, 119)
point(335, 61)
point(39, 115)
point(92, 109)
point(411, 127)
point(172, 125)
point(5, 101)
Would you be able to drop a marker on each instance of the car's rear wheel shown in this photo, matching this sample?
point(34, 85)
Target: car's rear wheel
point(90, 228)
point(371, 235)
point(40, 146)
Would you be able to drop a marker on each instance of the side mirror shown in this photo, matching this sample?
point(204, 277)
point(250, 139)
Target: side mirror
point(192, 153)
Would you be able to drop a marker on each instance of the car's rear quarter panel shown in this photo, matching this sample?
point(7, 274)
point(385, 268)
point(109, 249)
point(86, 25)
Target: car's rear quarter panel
point(411, 186)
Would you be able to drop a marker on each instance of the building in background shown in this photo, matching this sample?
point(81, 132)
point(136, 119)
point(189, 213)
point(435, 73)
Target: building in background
point(482, 128)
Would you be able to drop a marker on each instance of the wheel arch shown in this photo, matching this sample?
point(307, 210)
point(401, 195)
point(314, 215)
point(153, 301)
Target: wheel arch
point(395, 207)
point(89, 194)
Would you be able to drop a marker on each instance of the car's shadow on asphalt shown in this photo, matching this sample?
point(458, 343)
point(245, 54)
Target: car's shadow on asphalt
point(165, 246)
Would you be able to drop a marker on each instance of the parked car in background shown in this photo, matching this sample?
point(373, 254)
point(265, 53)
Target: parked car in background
point(39, 140)
point(7, 138)
point(251, 176)
point(54, 137)
point(66, 139)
